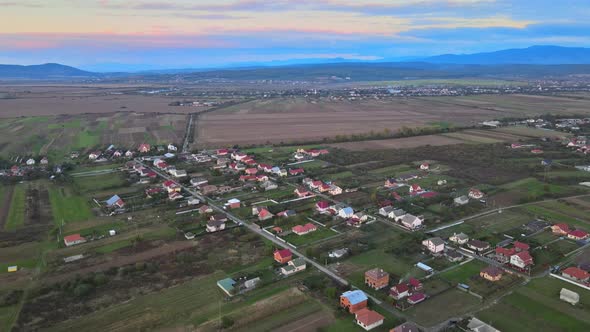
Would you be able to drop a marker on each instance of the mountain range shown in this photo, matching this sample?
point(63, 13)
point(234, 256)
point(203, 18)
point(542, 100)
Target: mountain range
point(534, 60)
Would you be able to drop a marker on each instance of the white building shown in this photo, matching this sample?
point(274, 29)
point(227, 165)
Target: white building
point(434, 245)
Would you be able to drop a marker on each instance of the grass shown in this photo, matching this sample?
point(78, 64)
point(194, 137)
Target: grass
point(86, 139)
point(113, 246)
point(388, 262)
point(554, 216)
point(451, 303)
point(539, 309)
point(7, 316)
point(463, 273)
point(100, 182)
point(391, 170)
point(67, 207)
point(16, 215)
point(320, 234)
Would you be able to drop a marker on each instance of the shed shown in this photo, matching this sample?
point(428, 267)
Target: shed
point(424, 267)
point(569, 296)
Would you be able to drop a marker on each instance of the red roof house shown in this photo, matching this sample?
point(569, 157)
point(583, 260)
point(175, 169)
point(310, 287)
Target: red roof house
point(576, 273)
point(368, 319)
point(283, 256)
point(143, 148)
point(577, 235)
point(520, 246)
point(322, 205)
point(416, 298)
point(415, 284)
point(296, 171)
point(73, 239)
point(399, 291)
point(302, 230)
point(561, 228)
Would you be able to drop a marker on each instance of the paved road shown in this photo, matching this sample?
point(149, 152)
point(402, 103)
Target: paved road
point(252, 227)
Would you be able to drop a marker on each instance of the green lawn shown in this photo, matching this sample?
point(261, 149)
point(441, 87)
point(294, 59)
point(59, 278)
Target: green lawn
point(100, 182)
point(86, 139)
point(16, 215)
point(400, 266)
point(67, 207)
point(7, 316)
point(463, 273)
point(321, 233)
point(114, 246)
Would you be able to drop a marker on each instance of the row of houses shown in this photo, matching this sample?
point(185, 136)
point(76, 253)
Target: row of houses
point(400, 216)
point(322, 187)
point(564, 229)
point(290, 265)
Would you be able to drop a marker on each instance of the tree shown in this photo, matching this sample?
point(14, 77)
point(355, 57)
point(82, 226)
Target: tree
point(226, 322)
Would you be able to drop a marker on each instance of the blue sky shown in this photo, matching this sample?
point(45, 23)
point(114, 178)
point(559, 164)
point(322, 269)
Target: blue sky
point(205, 33)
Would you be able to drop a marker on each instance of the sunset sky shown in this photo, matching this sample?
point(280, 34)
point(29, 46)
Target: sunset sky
point(97, 34)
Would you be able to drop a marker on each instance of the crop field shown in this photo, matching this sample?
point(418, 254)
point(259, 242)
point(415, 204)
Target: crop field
point(68, 207)
point(538, 308)
point(16, 214)
point(290, 120)
point(57, 136)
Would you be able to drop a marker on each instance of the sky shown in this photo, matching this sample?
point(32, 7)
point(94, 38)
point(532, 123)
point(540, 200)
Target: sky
point(156, 34)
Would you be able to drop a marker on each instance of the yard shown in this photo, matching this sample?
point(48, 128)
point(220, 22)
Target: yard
point(16, 214)
point(68, 207)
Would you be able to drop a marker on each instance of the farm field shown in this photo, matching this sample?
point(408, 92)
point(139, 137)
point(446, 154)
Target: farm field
point(290, 120)
point(68, 207)
point(16, 214)
point(539, 309)
point(57, 136)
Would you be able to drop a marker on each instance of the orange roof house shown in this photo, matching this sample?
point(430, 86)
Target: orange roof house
point(377, 278)
point(283, 256)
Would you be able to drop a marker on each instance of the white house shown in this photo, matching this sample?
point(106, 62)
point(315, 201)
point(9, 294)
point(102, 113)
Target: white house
point(460, 238)
point(411, 221)
point(171, 147)
point(434, 245)
point(346, 213)
point(294, 266)
point(178, 173)
point(461, 200)
point(31, 162)
point(368, 319)
point(386, 210)
point(397, 214)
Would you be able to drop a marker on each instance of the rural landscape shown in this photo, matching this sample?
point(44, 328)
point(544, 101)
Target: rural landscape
point(327, 166)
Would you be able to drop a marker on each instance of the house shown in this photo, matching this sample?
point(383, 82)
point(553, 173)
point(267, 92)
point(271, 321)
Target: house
point(233, 203)
point(376, 278)
point(434, 245)
point(264, 214)
point(302, 192)
point(238, 155)
point(368, 319)
point(520, 246)
point(216, 224)
point(171, 147)
point(478, 245)
point(247, 178)
point(178, 173)
point(353, 300)
point(171, 186)
point(406, 327)
point(576, 274)
point(397, 214)
point(346, 212)
point(441, 182)
point(424, 166)
point(227, 285)
point(44, 161)
point(461, 200)
point(560, 229)
point(261, 178)
point(94, 155)
point(193, 201)
point(360, 216)
point(256, 209)
point(73, 239)
point(144, 148)
point(503, 254)
point(302, 230)
point(577, 235)
point(151, 192)
point(475, 193)
point(453, 256)
point(415, 189)
point(391, 183)
point(283, 256)
point(460, 238)
point(208, 189)
point(287, 213)
point(174, 196)
point(296, 171)
point(294, 266)
point(269, 185)
point(491, 273)
point(204, 209)
point(410, 221)
point(521, 259)
point(322, 206)
point(222, 152)
point(536, 151)
point(386, 210)
point(129, 154)
point(414, 284)
point(265, 168)
point(399, 291)
point(416, 298)
point(335, 190)
point(197, 182)
point(251, 171)
point(115, 201)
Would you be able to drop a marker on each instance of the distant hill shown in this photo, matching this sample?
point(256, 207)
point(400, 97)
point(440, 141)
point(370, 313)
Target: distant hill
point(44, 71)
point(534, 55)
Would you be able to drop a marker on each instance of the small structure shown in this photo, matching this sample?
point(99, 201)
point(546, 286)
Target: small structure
point(478, 245)
point(283, 256)
point(73, 239)
point(353, 300)
point(227, 286)
point(115, 202)
point(368, 319)
point(477, 325)
point(12, 268)
point(233, 203)
point(475, 193)
point(216, 224)
point(112, 232)
point(461, 200)
point(305, 229)
point(453, 256)
point(144, 148)
point(491, 273)
point(377, 278)
point(569, 296)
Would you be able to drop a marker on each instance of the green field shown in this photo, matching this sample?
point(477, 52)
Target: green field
point(320, 234)
point(538, 308)
point(67, 207)
point(86, 140)
point(100, 182)
point(463, 273)
point(16, 215)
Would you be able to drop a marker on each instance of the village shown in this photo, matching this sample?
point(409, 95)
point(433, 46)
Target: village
point(395, 239)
